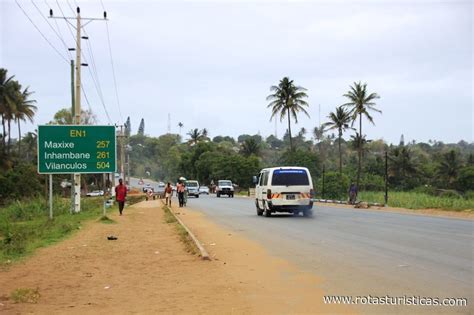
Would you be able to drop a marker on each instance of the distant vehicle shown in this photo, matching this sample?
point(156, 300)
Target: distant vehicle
point(284, 189)
point(204, 190)
point(146, 187)
point(225, 187)
point(160, 190)
point(193, 188)
point(95, 193)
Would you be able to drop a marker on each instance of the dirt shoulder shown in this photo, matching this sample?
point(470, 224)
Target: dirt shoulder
point(147, 271)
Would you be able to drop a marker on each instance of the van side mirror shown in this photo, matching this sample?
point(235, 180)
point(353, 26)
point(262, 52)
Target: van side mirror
point(254, 179)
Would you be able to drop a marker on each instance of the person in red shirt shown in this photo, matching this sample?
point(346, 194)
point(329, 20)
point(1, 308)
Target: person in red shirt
point(168, 194)
point(120, 194)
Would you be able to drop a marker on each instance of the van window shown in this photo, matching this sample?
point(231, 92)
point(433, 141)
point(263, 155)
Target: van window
point(192, 184)
point(265, 178)
point(260, 180)
point(290, 177)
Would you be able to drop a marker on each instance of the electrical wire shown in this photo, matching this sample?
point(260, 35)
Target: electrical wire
point(112, 64)
point(93, 73)
point(55, 32)
point(42, 35)
point(96, 79)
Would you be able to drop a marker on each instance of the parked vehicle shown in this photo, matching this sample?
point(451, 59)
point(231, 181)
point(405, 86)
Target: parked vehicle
point(204, 190)
point(284, 189)
point(160, 190)
point(95, 193)
point(225, 187)
point(192, 187)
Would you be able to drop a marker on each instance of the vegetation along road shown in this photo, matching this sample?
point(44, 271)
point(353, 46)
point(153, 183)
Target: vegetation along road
point(361, 252)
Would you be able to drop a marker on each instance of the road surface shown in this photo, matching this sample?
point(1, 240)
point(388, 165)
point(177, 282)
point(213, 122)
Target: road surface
point(362, 252)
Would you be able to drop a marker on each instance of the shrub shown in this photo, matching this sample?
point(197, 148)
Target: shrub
point(335, 186)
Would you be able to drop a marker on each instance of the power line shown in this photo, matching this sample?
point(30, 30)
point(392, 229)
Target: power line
point(112, 63)
point(39, 31)
point(93, 73)
point(55, 32)
point(96, 79)
point(70, 7)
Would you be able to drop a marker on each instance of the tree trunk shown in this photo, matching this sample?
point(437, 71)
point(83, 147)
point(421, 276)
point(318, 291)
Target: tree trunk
point(340, 153)
point(9, 136)
point(4, 132)
point(19, 139)
point(289, 131)
point(360, 151)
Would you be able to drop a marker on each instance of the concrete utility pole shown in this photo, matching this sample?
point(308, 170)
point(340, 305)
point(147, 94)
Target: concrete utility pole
point(77, 107)
point(77, 103)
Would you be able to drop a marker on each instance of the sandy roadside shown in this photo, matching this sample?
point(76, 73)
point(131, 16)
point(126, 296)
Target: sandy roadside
point(147, 271)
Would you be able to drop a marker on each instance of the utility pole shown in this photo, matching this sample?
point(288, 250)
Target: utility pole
point(77, 103)
point(121, 137)
point(73, 110)
point(77, 108)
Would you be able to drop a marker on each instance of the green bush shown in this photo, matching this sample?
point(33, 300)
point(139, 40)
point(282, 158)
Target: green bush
point(19, 182)
point(469, 195)
point(335, 186)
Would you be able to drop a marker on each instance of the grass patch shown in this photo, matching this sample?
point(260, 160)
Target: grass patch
point(25, 226)
point(416, 200)
point(106, 220)
point(184, 237)
point(25, 295)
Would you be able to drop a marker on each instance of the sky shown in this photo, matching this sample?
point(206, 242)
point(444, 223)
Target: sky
point(210, 64)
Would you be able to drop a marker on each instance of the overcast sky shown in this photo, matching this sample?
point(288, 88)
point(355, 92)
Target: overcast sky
point(210, 64)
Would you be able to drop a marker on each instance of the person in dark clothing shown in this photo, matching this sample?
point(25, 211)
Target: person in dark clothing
point(352, 194)
point(120, 195)
point(168, 194)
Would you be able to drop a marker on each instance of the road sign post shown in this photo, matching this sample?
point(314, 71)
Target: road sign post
point(76, 149)
point(80, 149)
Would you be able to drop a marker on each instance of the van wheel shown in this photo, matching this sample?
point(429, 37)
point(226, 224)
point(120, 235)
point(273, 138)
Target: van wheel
point(259, 211)
point(308, 213)
point(266, 211)
point(218, 195)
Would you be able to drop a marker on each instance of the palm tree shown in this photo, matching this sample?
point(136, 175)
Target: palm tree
point(24, 110)
point(12, 89)
point(449, 167)
point(339, 120)
point(195, 135)
point(4, 83)
point(360, 102)
point(249, 147)
point(287, 100)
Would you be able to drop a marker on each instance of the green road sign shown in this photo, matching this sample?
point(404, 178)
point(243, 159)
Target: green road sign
point(68, 149)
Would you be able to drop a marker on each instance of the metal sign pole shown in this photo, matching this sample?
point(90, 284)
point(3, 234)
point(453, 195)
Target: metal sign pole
point(50, 196)
point(104, 189)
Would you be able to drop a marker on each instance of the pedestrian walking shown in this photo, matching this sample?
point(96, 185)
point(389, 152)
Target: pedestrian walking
point(120, 195)
point(168, 194)
point(352, 194)
point(180, 190)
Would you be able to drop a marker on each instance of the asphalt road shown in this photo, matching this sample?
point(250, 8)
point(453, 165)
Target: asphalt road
point(362, 252)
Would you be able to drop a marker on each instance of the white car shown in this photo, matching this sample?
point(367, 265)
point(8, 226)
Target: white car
point(204, 190)
point(225, 187)
point(95, 193)
point(192, 187)
point(284, 189)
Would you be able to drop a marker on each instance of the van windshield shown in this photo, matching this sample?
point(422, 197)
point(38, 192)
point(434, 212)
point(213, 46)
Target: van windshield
point(192, 184)
point(290, 178)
